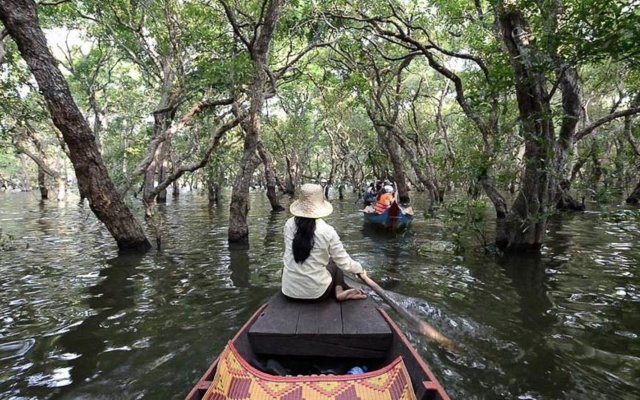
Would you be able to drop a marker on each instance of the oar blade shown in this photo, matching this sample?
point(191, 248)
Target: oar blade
point(417, 324)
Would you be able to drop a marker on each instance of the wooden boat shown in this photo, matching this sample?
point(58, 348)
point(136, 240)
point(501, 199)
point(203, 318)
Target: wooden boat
point(314, 344)
point(394, 217)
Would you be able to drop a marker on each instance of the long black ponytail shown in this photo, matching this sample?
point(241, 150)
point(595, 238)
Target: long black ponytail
point(303, 239)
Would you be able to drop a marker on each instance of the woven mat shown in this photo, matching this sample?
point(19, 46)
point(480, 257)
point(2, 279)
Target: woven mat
point(236, 379)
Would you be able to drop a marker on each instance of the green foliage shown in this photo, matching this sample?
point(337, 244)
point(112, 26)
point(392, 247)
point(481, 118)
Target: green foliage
point(598, 30)
point(467, 223)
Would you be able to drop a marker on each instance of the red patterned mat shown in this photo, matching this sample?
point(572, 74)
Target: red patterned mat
point(236, 379)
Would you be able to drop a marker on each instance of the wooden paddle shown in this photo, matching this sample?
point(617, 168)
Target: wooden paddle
point(419, 325)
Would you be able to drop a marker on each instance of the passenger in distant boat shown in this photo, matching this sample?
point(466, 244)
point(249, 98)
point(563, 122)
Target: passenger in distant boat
point(384, 200)
point(314, 256)
point(370, 195)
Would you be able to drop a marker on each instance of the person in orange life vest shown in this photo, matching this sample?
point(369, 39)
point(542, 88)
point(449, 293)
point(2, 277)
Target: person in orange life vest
point(314, 256)
point(384, 200)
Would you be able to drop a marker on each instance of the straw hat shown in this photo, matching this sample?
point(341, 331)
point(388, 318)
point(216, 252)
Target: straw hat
point(311, 202)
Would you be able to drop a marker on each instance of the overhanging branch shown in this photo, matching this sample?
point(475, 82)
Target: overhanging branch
point(589, 129)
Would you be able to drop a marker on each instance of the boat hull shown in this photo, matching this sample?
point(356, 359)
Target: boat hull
point(423, 381)
point(394, 218)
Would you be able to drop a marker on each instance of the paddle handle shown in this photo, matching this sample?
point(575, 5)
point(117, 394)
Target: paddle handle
point(418, 324)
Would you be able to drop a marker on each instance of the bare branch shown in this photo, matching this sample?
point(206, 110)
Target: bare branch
point(186, 120)
point(584, 132)
point(52, 3)
point(281, 71)
point(234, 24)
point(28, 132)
point(213, 145)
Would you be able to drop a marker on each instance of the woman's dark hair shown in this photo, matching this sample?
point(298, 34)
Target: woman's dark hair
point(303, 239)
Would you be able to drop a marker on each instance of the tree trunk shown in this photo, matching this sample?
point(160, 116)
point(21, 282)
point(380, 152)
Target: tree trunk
point(20, 19)
point(162, 174)
point(213, 191)
point(3, 35)
point(634, 197)
point(147, 188)
point(270, 177)
point(398, 171)
point(399, 176)
point(26, 186)
point(239, 207)
point(162, 120)
point(43, 166)
point(176, 188)
point(44, 192)
point(525, 224)
point(163, 168)
point(293, 173)
point(424, 178)
point(259, 49)
point(62, 188)
point(569, 84)
point(396, 163)
point(564, 200)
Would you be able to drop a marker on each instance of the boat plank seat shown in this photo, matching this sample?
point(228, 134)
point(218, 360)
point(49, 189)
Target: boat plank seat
point(329, 329)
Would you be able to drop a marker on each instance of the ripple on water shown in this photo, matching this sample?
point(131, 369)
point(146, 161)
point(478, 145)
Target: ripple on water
point(58, 378)
point(15, 349)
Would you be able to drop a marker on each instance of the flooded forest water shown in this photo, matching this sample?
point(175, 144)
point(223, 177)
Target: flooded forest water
point(77, 321)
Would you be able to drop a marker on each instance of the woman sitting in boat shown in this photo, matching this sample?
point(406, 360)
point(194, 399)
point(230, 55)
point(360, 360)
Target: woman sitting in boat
point(385, 200)
point(314, 256)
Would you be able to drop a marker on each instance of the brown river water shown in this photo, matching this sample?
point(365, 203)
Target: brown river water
point(77, 321)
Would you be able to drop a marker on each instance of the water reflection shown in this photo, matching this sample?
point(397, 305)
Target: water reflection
point(388, 254)
point(528, 277)
point(273, 233)
point(542, 370)
point(239, 265)
point(114, 293)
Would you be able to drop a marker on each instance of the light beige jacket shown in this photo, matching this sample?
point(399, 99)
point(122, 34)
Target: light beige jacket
point(311, 279)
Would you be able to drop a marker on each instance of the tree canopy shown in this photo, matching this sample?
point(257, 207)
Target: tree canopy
point(500, 99)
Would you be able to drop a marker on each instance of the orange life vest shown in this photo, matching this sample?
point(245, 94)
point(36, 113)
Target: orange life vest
point(384, 202)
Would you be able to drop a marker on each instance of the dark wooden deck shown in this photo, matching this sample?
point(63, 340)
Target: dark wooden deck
point(351, 329)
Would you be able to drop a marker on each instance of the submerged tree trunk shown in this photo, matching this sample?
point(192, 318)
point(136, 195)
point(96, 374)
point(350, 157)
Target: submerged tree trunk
point(259, 50)
point(270, 177)
point(399, 176)
point(293, 174)
point(176, 189)
point(44, 192)
point(396, 162)
point(634, 197)
point(163, 118)
point(525, 224)
point(62, 188)
point(20, 19)
point(572, 109)
point(422, 170)
point(43, 165)
point(239, 207)
point(26, 186)
point(213, 191)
